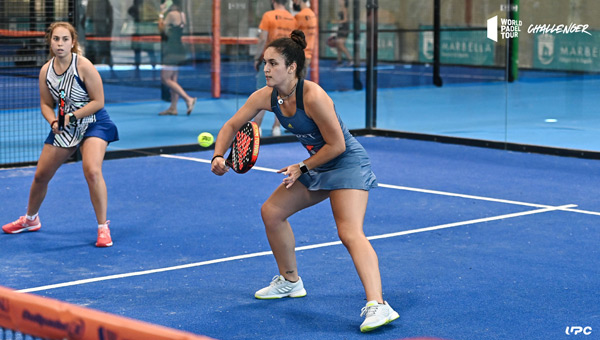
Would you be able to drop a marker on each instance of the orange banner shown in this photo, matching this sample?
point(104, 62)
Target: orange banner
point(48, 318)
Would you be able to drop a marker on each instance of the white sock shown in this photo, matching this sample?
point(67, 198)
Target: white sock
point(31, 218)
point(105, 225)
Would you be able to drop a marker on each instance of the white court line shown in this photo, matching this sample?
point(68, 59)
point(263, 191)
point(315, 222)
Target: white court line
point(427, 191)
point(264, 253)
point(208, 162)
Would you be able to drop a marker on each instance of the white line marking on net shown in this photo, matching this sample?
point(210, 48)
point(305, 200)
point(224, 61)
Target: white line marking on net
point(264, 253)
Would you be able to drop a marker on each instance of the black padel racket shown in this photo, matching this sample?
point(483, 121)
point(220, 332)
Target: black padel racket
point(244, 149)
point(61, 110)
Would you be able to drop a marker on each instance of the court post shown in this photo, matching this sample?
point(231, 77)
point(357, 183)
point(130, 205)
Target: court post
point(371, 95)
point(437, 79)
point(513, 44)
point(215, 67)
point(356, 44)
point(314, 62)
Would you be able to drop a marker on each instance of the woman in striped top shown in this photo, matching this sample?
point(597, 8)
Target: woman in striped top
point(87, 126)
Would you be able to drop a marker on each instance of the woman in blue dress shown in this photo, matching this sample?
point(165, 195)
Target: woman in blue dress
point(87, 127)
point(171, 26)
point(337, 168)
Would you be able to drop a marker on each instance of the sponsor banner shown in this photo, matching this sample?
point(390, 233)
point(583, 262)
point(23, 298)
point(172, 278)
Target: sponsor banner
point(387, 43)
point(567, 52)
point(48, 318)
point(458, 47)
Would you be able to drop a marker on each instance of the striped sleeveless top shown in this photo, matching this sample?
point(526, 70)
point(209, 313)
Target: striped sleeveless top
point(76, 93)
point(76, 97)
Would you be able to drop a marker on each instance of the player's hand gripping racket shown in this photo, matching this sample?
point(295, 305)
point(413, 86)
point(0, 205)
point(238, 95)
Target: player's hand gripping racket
point(61, 110)
point(244, 149)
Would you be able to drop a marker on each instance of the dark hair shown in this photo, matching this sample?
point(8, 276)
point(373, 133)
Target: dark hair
point(292, 50)
point(176, 6)
point(281, 2)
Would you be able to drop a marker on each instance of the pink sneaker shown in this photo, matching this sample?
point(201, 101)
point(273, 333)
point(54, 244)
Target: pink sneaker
point(21, 225)
point(104, 239)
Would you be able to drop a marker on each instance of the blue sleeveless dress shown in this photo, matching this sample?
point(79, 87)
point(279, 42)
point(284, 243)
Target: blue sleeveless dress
point(349, 170)
point(98, 124)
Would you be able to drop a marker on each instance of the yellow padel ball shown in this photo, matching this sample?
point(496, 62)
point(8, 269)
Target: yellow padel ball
point(205, 139)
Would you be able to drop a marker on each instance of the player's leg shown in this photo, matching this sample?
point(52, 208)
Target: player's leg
point(275, 212)
point(50, 160)
point(349, 206)
point(92, 154)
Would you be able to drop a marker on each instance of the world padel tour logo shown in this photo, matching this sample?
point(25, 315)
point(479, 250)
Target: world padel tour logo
point(510, 28)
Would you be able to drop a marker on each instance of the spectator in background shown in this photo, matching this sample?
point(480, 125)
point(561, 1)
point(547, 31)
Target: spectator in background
point(171, 25)
point(342, 33)
point(276, 23)
point(307, 23)
point(136, 13)
point(99, 24)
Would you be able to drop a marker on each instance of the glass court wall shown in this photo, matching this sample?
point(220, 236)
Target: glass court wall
point(534, 85)
point(419, 68)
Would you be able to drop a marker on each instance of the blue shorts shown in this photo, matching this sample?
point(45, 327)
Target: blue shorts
point(103, 128)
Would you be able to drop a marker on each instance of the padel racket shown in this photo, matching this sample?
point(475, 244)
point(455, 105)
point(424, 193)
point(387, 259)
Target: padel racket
point(61, 110)
point(244, 149)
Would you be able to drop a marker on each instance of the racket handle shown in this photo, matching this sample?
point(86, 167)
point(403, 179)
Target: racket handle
point(61, 122)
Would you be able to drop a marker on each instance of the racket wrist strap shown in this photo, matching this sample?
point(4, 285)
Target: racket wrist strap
point(52, 123)
point(214, 157)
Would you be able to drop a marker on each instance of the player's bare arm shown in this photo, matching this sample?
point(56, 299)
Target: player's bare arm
point(93, 83)
point(46, 100)
point(320, 109)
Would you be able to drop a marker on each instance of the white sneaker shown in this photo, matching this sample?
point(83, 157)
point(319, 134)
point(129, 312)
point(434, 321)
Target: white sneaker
point(280, 287)
point(276, 131)
point(376, 315)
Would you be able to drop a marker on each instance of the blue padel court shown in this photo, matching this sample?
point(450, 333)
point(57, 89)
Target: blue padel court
point(473, 244)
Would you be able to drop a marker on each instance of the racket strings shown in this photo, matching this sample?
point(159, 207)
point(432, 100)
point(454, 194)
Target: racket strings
point(241, 156)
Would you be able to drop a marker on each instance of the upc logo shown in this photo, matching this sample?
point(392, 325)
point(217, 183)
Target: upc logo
point(577, 330)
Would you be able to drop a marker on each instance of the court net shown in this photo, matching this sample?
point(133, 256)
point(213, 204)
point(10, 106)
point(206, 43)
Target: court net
point(26, 316)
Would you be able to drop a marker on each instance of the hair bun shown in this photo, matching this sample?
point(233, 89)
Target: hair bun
point(299, 38)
